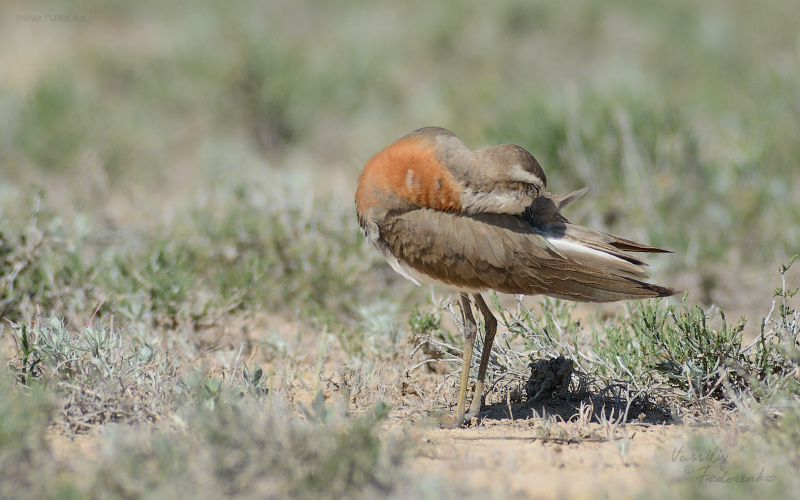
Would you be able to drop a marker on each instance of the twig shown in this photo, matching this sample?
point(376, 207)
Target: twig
point(97, 309)
point(417, 348)
point(429, 360)
point(534, 438)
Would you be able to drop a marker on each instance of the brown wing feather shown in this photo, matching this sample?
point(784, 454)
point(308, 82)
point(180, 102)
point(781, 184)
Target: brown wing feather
point(508, 254)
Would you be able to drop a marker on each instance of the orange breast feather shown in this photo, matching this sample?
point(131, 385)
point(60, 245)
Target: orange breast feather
point(409, 170)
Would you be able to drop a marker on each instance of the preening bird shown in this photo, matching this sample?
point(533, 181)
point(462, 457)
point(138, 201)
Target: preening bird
point(475, 221)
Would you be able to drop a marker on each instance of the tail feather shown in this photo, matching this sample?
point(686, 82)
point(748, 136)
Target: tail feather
point(605, 255)
point(632, 246)
point(635, 290)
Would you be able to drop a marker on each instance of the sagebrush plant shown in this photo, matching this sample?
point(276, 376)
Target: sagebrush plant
point(686, 350)
point(776, 352)
point(101, 373)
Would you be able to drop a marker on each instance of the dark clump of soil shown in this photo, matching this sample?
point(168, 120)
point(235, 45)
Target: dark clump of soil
point(549, 377)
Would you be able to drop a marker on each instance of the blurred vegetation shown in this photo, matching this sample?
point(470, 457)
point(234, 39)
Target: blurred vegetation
point(169, 173)
point(682, 117)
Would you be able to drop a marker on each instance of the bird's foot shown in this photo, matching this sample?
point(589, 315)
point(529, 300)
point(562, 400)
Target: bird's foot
point(451, 422)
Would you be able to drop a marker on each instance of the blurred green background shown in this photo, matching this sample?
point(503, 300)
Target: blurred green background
point(682, 116)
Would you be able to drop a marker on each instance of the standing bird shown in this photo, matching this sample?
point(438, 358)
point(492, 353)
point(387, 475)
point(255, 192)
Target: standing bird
point(475, 221)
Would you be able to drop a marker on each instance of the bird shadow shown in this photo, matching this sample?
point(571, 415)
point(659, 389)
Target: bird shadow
point(576, 406)
point(549, 395)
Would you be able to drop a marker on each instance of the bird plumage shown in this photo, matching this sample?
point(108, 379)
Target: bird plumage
point(483, 220)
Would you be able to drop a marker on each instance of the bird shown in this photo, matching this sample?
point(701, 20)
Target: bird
point(481, 221)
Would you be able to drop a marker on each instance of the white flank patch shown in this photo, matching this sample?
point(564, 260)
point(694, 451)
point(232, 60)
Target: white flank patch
point(594, 257)
point(573, 250)
point(397, 266)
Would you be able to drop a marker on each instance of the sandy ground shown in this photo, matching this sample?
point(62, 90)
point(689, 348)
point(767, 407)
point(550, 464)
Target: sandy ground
point(505, 459)
point(508, 460)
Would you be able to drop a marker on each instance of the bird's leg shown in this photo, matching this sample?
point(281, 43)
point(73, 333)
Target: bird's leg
point(490, 325)
point(470, 331)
